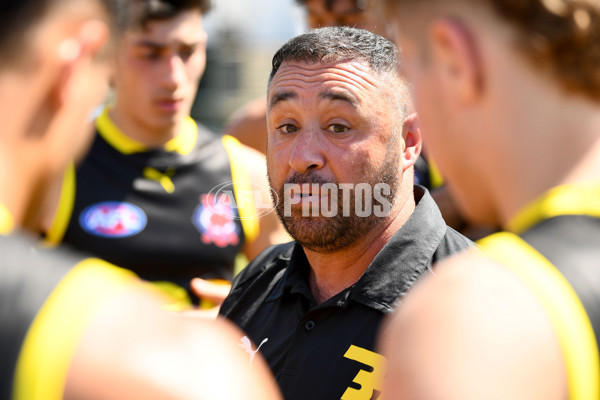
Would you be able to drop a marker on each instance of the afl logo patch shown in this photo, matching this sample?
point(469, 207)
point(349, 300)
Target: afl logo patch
point(214, 219)
point(113, 219)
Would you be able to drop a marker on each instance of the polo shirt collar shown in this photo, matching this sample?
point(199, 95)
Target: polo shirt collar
point(398, 265)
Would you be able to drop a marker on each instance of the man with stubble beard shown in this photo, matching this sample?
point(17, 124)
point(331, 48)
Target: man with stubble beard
point(342, 142)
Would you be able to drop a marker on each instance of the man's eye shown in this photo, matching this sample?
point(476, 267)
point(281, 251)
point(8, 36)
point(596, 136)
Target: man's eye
point(186, 52)
point(151, 55)
point(288, 128)
point(337, 128)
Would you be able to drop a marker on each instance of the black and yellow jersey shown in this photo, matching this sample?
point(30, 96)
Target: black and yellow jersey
point(328, 350)
point(47, 298)
point(167, 214)
point(554, 248)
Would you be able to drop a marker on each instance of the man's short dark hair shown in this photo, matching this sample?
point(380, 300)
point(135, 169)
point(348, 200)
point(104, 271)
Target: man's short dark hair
point(141, 12)
point(338, 44)
point(17, 17)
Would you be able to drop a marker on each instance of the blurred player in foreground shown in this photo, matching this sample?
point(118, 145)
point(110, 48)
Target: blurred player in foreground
point(508, 95)
point(76, 327)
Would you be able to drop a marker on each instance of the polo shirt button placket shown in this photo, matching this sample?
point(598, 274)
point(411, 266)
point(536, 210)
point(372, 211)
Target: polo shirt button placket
point(309, 325)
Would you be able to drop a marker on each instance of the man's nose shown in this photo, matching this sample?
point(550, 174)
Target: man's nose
point(307, 153)
point(174, 72)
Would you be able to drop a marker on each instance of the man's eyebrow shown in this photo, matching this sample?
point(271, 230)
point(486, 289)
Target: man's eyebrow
point(149, 43)
point(337, 95)
point(279, 97)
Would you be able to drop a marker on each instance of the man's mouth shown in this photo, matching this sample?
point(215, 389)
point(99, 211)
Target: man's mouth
point(169, 105)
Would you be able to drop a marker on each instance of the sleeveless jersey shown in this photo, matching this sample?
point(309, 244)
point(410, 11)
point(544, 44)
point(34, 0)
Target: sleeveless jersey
point(47, 298)
point(556, 251)
point(168, 214)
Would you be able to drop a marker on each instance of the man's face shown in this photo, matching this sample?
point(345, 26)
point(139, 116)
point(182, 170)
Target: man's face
point(330, 124)
point(342, 13)
point(158, 70)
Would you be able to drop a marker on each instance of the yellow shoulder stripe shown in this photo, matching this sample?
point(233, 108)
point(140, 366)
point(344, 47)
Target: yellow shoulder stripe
point(57, 230)
point(576, 199)
point(567, 315)
point(54, 334)
point(7, 223)
point(242, 188)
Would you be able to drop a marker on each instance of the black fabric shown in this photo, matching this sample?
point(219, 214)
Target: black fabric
point(572, 244)
point(306, 342)
point(28, 275)
point(170, 247)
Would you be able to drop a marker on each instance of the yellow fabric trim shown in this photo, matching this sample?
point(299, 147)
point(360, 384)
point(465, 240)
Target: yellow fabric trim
point(568, 316)
point(7, 223)
point(115, 137)
point(435, 176)
point(55, 332)
point(183, 143)
point(579, 199)
point(163, 179)
point(57, 230)
point(179, 299)
point(242, 188)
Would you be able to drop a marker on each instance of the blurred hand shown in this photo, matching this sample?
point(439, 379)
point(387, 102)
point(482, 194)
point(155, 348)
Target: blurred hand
point(211, 293)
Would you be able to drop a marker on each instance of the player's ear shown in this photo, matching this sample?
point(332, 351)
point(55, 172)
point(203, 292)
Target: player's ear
point(411, 133)
point(76, 54)
point(454, 54)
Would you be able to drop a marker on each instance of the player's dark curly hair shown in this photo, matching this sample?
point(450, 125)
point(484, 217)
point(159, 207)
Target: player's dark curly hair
point(333, 44)
point(562, 36)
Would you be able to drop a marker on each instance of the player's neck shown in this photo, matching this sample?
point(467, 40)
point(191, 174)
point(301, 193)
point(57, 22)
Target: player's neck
point(138, 130)
point(17, 188)
point(333, 272)
point(568, 153)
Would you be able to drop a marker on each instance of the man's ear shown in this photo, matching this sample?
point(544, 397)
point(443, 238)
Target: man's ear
point(454, 52)
point(82, 48)
point(411, 133)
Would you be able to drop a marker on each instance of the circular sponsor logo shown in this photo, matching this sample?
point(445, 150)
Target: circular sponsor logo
point(113, 219)
point(249, 196)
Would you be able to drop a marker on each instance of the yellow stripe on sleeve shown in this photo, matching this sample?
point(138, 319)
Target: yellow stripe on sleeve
point(567, 315)
point(242, 188)
point(57, 230)
point(54, 333)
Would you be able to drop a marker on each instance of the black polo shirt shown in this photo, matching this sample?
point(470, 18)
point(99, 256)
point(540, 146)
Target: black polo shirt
point(326, 351)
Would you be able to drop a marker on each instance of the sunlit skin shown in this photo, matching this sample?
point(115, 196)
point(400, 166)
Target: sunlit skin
point(156, 76)
point(447, 116)
point(503, 131)
point(332, 121)
point(43, 108)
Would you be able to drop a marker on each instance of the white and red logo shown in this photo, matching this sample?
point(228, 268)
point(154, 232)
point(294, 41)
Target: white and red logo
point(215, 219)
point(113, 219)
